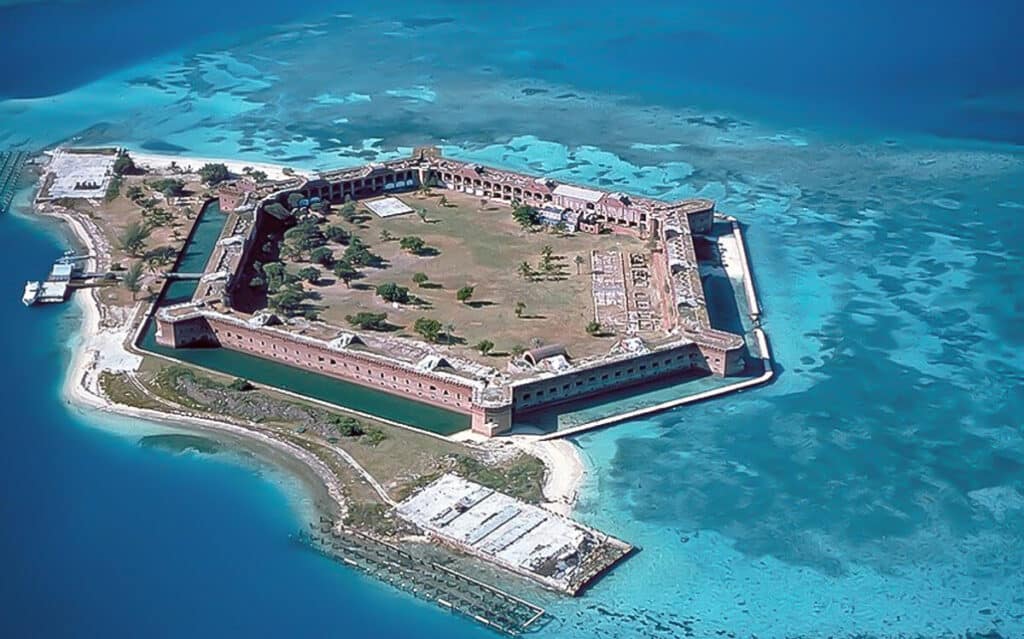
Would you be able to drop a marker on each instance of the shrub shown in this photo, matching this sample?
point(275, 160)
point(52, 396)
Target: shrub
point(214, 173)
point(391, 292)
point(430, 329)
point(368, 321)
point(347, 426)
point(240, 384)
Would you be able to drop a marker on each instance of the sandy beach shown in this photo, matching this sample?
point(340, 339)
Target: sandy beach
point(565, 470)
point(162, 162)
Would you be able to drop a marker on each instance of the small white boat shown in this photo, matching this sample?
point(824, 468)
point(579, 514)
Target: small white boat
point(32, 290)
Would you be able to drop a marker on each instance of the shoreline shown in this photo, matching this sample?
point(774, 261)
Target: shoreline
point(162, 162)
point(98, 348)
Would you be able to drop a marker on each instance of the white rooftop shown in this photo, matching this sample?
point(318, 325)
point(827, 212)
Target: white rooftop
point(90, 172)
point(579, 193)
point(502, 529)
point(388, 207)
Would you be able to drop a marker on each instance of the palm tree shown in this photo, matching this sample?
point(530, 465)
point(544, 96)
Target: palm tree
point(449, 331)
point(132, 279)
point(526, 270)
point(133, 238)
point(520, 308)
point(578, 260)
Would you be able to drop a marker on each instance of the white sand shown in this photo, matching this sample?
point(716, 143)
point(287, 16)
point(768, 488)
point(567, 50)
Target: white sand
point(189, 164)
point(561, 459)
point(565, 470)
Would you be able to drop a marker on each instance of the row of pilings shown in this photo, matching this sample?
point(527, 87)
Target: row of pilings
point(428, 580)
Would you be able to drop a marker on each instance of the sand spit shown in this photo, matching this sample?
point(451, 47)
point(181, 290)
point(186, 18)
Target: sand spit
point(188, 164)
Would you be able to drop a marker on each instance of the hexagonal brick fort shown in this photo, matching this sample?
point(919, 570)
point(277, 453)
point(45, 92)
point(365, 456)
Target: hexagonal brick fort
point(428, 373)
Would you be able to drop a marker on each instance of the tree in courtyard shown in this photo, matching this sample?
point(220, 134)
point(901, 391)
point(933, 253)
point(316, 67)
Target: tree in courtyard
point(593, 327)
point(322, 255)
point(465, 293)
point(412, 244)
point(449, 332)
point(520, 308)
point(132, 278)
point(348, 211)
point(368, 321)
point(429, 329)
point(517, 350)
point(525, 270)
point(578, 261)
point(422, 212)
point(420, 279)
point(386, 236)
point(275, 274)
point(526, 216)
point(443, 201)
point(358, 255)
point(287, 301)
point(345, 272)
point(337, 234)
point(547, 258)
point(124, 165)
point(391, 292)
point(132, 239)
point(310, 274)
point(303, 237)
point(485, 346)
point(214, 173)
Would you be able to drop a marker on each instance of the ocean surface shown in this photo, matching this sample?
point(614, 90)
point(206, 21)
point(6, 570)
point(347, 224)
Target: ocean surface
point(873, 151)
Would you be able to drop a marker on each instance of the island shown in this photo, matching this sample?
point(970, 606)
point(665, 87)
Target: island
point(416, 337)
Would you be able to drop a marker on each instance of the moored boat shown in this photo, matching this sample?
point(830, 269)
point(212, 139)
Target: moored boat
point(31, 293)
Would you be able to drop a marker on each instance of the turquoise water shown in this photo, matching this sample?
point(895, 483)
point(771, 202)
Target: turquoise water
point(872, 149)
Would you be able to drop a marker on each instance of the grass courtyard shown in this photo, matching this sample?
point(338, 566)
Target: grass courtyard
point(468, 242)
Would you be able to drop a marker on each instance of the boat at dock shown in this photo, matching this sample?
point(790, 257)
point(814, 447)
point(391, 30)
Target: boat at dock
point(66, 271)
point(31, 294)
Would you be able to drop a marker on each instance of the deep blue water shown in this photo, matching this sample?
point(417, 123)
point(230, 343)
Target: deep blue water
point(872, 150)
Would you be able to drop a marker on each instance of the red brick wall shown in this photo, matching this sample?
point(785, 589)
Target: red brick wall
point(350, 367)
point(601, 379)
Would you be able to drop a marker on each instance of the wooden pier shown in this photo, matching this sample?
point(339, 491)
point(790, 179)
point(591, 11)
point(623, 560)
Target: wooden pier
point(11, 165)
